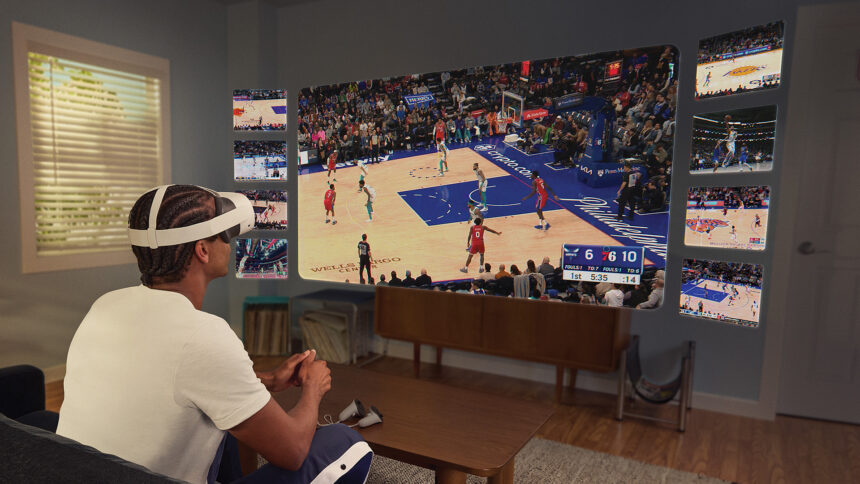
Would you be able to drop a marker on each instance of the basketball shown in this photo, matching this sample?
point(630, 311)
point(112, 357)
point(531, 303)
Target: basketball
point(728, 117)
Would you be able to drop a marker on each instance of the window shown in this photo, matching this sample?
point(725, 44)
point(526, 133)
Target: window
point(93, 134)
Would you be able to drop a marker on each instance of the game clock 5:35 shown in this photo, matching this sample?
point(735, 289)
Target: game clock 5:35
point(595, 263)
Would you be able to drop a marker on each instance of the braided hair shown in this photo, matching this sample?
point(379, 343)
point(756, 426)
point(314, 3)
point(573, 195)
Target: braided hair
point(183, 205)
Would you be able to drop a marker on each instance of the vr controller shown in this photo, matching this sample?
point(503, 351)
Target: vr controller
point(357, 409)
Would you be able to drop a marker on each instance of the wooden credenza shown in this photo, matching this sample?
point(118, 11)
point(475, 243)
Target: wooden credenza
point(574, 336)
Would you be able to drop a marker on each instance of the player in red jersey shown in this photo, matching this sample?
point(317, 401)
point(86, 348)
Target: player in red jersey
point(332, 165)
point(330, 197)
point(439, 133)
point(540, 186)
point(475, 243)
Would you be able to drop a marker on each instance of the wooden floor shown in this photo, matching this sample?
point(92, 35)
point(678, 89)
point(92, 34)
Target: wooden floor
point(744, 450)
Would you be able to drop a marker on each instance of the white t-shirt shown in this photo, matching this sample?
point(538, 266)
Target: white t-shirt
point(614, 298)
point(153, 380)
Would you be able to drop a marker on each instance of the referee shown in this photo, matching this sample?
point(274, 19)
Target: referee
point(628, 191)
point(364, 259)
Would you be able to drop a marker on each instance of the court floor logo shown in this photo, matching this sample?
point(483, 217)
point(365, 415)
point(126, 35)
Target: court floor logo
point(705, 224)
point(743, 71)
point(483, 147)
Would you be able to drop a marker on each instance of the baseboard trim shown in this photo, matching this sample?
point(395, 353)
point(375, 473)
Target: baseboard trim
point(545, 373)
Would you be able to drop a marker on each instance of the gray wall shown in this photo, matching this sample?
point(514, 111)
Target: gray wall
point(334, 41)
point(40, 312)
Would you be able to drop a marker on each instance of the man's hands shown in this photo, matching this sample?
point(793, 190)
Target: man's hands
point(286, 375)
point(314, 376)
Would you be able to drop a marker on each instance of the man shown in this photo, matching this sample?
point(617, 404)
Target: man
point(546, 268)
point(443, 156)
point(328, 203)
point(382, 280)
point(540, 186)
point(502, 272)
point(482, 185)
point(614, 297)
point(364, 258)
point(371, 196)
point(156, 381)
point(655, 299)
point(362, 166)
point(332, 165)
point(627, 191)
point(423, 279)
point(395, 281)
point(408, 281)
point(475, 243)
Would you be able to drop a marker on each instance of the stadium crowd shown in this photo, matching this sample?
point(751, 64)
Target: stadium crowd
point(242, 149)
point(732, 197)
point(764, 35)
point(366, 118)
point(735, 272)
point(257, 94)
point(543, 282)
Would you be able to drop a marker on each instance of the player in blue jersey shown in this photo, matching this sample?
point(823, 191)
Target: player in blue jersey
point(743, 159)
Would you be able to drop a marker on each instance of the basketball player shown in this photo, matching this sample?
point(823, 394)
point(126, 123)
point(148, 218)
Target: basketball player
point(482, 185)
point(362, 165)
point(708, 231)
point(757, 221)
point(443, 155)
point(734, 233)
point(439, 133)
point(332, 165)
point(371, 197)
point(475, 243)
point(540, 186)
point(753, 308)
point(474, 211)
point(730, 146)
point(364, 259)
point(701, 308)
point(743, 159)
point(330, 197)
point(707, 80)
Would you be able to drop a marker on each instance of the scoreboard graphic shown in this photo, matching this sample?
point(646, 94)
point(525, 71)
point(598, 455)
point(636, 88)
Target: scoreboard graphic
point(598, 263)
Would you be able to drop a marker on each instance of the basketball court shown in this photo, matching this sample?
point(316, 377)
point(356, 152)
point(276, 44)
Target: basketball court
point(421, 220)
point(260, 168)
point(747, 72)
point(748, 235)
point(717, 302)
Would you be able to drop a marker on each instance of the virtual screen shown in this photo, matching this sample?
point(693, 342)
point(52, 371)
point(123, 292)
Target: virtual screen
point(725, 291)
point(259, 110)
point(261, 258)
point(742, 61)
point(738, 141)
point(259, 160)
point(270, 208)
point(727, 217)
point(569, 151)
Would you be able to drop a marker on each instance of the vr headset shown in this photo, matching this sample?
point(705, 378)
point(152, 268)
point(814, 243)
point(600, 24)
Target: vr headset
point(234, 215)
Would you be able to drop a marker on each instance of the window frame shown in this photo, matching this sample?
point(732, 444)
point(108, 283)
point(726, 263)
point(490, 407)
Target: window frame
point(27, 38)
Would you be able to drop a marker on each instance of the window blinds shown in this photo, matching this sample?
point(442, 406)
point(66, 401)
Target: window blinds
point(96, 147)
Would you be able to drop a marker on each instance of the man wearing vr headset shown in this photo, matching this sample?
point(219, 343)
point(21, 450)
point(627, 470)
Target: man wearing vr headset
point(153, 379)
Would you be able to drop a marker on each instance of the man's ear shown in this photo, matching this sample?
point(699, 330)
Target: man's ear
point(201, 251)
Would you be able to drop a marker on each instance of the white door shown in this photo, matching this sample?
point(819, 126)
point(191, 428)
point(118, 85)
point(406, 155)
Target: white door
point(820, 374)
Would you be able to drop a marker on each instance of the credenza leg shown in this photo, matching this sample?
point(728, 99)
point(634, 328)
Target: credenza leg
point(505, 475)
point(416, 359)
point(438, 357)
point(446, 475)
point(559, 382)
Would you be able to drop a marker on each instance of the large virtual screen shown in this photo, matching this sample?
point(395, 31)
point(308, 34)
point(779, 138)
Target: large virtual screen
point(563, 166)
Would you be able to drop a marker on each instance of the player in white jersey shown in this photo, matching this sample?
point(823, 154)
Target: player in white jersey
point(474, 211)
point(482, 185)
point(443, 156)
point(730, 147)
point(371, 197)
point(734, 233)
point(754, 308)
point(362, 165)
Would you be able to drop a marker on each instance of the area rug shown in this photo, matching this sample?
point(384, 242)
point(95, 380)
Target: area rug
point(548, 462)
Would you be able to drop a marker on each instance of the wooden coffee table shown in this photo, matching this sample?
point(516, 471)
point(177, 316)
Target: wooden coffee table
point(451, 430)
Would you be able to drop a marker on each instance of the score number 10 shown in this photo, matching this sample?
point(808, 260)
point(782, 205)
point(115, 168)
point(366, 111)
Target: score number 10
point(612, 256)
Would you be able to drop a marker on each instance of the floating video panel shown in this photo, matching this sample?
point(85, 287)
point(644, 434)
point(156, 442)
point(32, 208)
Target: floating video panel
point(261, 258)
point(727, 217)
point(259, 160)
point(270, 208)
point(743, 61)
point(259, 110)
point(737, 141)
point(550, 155)
point(729, 292)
